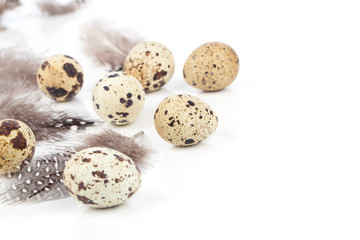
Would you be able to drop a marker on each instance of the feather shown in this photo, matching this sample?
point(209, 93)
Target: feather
point(21, 99)
point(18, 67)
point(52, 8)
point(107, 45)
point(41, 179)
point(8, 5)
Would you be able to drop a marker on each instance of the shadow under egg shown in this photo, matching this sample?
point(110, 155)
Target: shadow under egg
point(184, 168)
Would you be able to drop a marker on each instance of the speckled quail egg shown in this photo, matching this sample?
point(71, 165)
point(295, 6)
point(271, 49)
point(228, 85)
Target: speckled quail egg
point(211, 67)
point(118, 98)
point(17, 144)
point(60, 77)
point(101, 177)
point(151, 63)
point(184, 120)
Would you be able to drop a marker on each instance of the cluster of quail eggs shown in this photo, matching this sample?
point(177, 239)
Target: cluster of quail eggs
point(103, 177)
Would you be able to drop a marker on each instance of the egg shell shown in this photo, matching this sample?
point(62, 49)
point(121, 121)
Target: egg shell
point(211, 67)
point(101, 177)
point(118, 98)
point(184, 120)
point(151, 63)
point(17, 144)
point(60, 77)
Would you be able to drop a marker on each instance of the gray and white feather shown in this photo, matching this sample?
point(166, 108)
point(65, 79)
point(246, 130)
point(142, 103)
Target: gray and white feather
point(107, 44)
point(53, 8)
point(41, 179)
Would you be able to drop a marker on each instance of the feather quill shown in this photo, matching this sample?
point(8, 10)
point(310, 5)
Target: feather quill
point(41, 179)
point(21, 99)
point(52, 8)
point(106, 44)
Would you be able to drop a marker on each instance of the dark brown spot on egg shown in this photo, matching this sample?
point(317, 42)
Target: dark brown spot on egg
point(80, 78)
point(159, 75)
point(70, 69)
point(97, 106)
point(122, 100)
point(68, 56)
point(106, 88)
point(191, 103)
point(189, 141)
point(129, 103)
point(85, 200)
point(99, 174)
point(81, 186)
point(129, 95)
point(147, 53)
point(72, 177)
point(86, 160)
point(44, 65)
point(56, 92)
point(119, 157)
point(113, 75)
point(19, 142)
point(7, 126)
point(70, 95)
point(130, 194)
point(139, 97)
point(110, 116)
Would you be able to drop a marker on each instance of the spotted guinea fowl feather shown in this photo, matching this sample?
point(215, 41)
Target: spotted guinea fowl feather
point(41, 179)
point(107, 44)
point(52, 7)
point(21, 99)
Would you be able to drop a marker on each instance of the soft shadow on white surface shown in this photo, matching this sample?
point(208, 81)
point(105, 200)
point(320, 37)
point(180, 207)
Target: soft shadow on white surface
point(120, 222)
point(184, 168)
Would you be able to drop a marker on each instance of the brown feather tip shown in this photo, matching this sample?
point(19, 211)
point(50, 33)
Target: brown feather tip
point(41, 179)
point(52, 8)
point(107, 44)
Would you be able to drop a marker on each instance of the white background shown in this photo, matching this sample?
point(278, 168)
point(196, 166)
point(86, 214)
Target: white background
point(284, 161)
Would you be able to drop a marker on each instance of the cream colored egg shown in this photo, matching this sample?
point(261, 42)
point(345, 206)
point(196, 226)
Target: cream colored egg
point(60, 77)
point(184, 120)
point(118, 98)
point(101, 177)
point(17, 144)
point(151, 63)
point(211, 67)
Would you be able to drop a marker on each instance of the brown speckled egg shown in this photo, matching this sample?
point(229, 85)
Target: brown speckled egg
point(151, 63)
point(184, 120)
point(60, 77)
point(17, 144)
point(118, 98)
point(101, 177)
point(211, 67)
